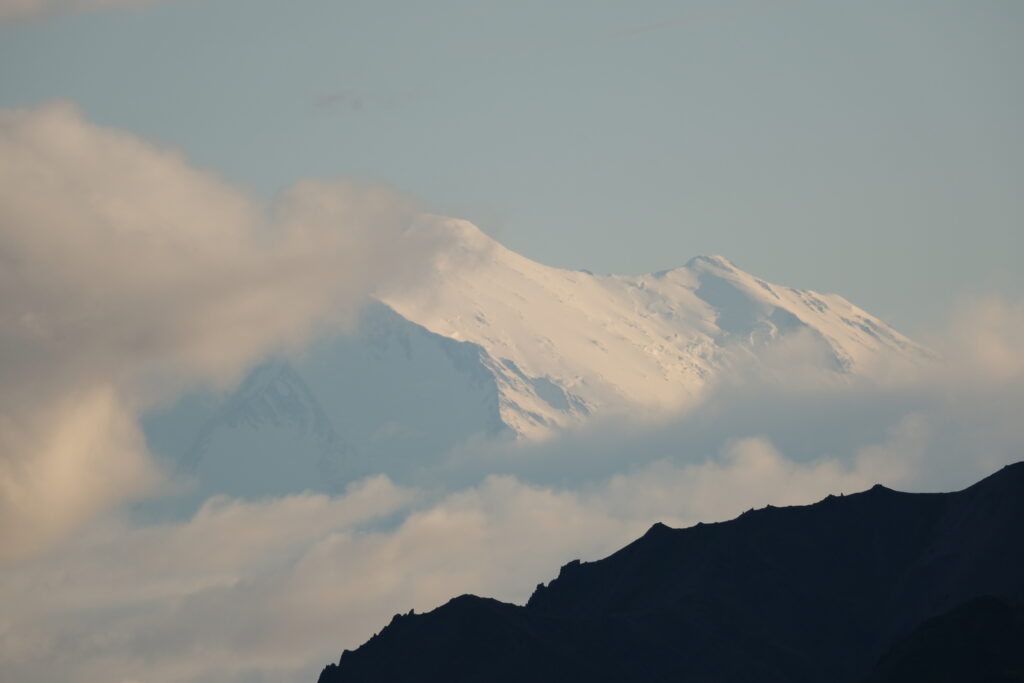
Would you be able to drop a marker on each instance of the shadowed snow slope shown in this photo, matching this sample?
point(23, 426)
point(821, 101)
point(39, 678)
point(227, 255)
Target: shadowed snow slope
point(494, 344)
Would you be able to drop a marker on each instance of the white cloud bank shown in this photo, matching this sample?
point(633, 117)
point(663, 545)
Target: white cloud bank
point(124, 273)
point(273, 590)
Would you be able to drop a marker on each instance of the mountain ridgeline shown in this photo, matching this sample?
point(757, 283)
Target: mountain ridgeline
point(875, 587)
point(493, 346)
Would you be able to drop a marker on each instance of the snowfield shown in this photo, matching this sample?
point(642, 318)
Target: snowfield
point(563, 345)
point(493, 345)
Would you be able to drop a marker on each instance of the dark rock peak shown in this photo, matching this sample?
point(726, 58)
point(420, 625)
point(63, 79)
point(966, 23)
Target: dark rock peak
point(568, 568)
point(657, 528)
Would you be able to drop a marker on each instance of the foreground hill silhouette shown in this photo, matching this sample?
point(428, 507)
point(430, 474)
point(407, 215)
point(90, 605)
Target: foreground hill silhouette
point(876, 586)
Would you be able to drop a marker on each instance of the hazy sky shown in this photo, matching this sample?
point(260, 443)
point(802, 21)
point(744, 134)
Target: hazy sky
point(868, 148)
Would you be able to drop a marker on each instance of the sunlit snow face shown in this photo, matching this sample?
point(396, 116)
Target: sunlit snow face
point(566, 345)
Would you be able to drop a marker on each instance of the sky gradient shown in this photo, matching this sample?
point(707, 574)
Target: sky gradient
point(866, 148)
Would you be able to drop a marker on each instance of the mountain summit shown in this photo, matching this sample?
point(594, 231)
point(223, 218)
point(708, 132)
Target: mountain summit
point(493, 345)
point(564, 344)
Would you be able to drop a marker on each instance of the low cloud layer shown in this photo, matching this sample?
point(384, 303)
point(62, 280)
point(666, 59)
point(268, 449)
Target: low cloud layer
point(127, 274)
point(273, 590)
point(959, 406)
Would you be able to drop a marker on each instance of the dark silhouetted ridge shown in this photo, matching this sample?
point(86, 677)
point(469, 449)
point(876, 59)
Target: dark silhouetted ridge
point(852, 588)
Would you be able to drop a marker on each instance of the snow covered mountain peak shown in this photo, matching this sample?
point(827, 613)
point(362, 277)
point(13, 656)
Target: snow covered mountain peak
point(463, 245)
point(563, 344)
point(492, 344)
point(710, 262)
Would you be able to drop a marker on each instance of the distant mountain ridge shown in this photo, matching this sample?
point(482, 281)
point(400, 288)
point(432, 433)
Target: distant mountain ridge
point(493, 345)
point(613, 343)
point(841, 590)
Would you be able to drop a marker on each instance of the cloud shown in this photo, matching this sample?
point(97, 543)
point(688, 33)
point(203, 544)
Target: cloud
point(127, 274)
point(986, 336)
point(64, 463)
point(959, 408)
point(273, 590)
point(13, 10)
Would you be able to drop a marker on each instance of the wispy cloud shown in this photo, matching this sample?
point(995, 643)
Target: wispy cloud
point(127, 273)
point(274, 590)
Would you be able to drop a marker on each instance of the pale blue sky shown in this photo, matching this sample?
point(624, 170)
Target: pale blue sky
point(870, 148)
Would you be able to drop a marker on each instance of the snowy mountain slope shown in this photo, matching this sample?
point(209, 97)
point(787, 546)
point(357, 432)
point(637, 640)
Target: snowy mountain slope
point(384, 399)
point(564, 344)
point(494, 344)
point(279, 413)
